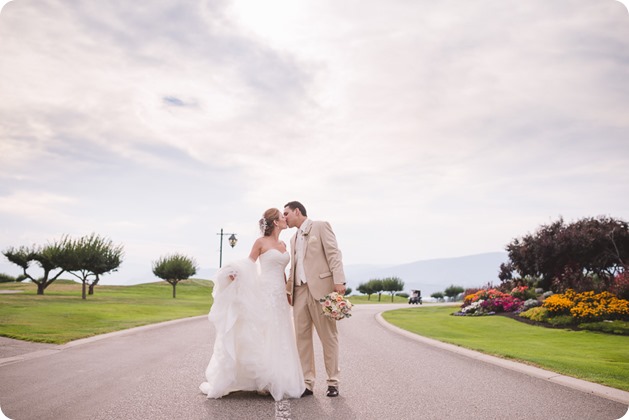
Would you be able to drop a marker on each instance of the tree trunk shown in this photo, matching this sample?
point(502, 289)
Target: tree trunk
point(83, 296)
point(174, 290)
point(41, 287)
point(94, 283)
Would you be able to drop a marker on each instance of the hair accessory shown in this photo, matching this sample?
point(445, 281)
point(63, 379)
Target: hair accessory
point(263, 226)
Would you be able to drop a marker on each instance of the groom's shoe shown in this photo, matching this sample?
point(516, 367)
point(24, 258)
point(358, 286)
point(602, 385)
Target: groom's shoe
point(307, 392)
point(333, 391)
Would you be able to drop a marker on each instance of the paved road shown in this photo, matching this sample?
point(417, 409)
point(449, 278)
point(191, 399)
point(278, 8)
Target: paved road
point(153, 373)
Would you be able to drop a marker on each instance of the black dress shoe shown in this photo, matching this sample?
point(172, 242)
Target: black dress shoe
point(306, 392)
point(332, 391)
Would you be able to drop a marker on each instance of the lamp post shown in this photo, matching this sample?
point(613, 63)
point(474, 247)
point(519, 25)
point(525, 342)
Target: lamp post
point(232, 241)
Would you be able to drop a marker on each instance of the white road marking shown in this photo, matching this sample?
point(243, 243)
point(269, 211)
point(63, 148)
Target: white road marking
point(282, 410)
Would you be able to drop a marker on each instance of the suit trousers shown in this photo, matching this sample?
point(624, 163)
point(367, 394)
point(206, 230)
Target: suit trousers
point(307, 312)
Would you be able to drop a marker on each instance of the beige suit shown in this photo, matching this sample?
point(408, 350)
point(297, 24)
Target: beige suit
point(323, 268)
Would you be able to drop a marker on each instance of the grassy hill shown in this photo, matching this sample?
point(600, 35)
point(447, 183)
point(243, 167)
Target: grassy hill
point(60, 315)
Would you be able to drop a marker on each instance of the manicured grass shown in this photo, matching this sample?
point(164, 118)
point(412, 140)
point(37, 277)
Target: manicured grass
point(593, 356)
point(60, 315)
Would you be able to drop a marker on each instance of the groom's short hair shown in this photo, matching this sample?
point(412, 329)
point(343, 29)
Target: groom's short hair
point(297, 205)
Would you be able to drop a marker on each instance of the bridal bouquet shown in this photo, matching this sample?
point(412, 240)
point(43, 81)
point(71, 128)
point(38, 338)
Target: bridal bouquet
point(336, 306)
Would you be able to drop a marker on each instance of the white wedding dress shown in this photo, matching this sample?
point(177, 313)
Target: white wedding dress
point(255, 347)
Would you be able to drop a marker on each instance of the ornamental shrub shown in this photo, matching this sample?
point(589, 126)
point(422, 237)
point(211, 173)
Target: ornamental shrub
point(610, 327)
point(561, 320)
point(522, 293)
point(539, 314)
point(558, 304)
point(598, 307)
point(620, 285)
point(530, 303)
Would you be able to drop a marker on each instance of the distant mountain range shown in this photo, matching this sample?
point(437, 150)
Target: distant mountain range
point(434, 275)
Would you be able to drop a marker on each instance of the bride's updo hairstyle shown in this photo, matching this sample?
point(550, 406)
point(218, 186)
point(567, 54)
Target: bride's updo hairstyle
point(266, 223)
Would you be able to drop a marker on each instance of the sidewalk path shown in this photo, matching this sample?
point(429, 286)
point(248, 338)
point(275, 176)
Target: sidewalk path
point(154, 373)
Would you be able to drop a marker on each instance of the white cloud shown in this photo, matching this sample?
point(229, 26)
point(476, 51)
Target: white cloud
point(420, 130)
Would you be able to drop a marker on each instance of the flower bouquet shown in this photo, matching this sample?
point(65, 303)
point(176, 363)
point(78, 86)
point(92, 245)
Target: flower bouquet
point(335, 306)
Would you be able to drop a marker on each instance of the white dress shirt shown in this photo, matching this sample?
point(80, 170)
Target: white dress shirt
point(300, 249)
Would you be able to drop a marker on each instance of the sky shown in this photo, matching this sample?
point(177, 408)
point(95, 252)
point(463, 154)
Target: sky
point(419, 129)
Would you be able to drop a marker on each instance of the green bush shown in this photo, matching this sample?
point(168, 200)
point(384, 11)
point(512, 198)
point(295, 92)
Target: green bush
point(5, 278)
point(539, 314)
point(610, 327)
point(561, 320)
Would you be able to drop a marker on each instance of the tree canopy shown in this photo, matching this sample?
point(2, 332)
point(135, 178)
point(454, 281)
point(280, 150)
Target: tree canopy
point(51, 258)
point(453, 291)
point(91, 257)
point(586, 254)
point(174, 268)
point(392, 285)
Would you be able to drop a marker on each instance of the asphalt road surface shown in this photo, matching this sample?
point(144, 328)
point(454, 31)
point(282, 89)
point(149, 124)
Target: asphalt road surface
point(154, 373)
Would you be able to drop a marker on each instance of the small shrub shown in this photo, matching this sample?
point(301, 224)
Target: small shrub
point(547, 294)
point(610, 327)
point(522, 293)
point(620, 285)
point(538, 314)
point(5, 278)
point(531, 303)
point(558, 304)
point(561, 320)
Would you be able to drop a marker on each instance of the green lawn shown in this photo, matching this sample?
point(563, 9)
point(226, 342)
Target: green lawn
point(593, 356)
point(60, 315)
point(385, 298)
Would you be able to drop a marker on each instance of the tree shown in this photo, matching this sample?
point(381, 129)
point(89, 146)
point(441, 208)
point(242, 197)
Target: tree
point(365, 289)
point(453, 291)
point(438, 295)
point(51, 258)
point(583, 255)
point(174, 268)
point(348, 291)
point(392, 285)
point(376, 286)
point(92, 256)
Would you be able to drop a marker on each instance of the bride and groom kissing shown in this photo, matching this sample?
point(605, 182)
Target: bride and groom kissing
point(257, 346)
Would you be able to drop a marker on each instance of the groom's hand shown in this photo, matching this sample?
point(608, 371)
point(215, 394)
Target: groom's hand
point(340, 289)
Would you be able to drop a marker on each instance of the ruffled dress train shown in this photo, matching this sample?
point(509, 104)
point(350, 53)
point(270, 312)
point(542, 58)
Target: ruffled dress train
point(255, 347)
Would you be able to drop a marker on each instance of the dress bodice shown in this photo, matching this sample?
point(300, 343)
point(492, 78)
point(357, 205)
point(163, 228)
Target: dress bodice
point(272, 269)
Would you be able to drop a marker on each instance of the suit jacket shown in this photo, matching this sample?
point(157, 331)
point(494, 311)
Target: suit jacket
point(323, 263)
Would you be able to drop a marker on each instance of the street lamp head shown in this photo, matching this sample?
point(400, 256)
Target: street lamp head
point(232, 240)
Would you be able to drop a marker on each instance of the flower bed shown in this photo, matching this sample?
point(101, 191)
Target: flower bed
point(588, 306)
point(491, 301)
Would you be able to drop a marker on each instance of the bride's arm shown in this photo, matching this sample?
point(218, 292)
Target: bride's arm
point(256, 250)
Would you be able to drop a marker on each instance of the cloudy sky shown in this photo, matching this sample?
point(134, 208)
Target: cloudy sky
point(420, 129)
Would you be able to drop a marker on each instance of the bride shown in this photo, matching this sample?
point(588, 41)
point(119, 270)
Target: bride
point(255, 347)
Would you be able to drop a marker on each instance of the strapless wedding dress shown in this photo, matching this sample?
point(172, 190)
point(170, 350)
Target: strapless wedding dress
point(255, 347)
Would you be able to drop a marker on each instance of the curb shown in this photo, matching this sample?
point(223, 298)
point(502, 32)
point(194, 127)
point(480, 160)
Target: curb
point(570, 382)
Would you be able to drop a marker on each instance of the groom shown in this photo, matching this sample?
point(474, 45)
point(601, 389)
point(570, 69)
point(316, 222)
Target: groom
point(316, 270)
